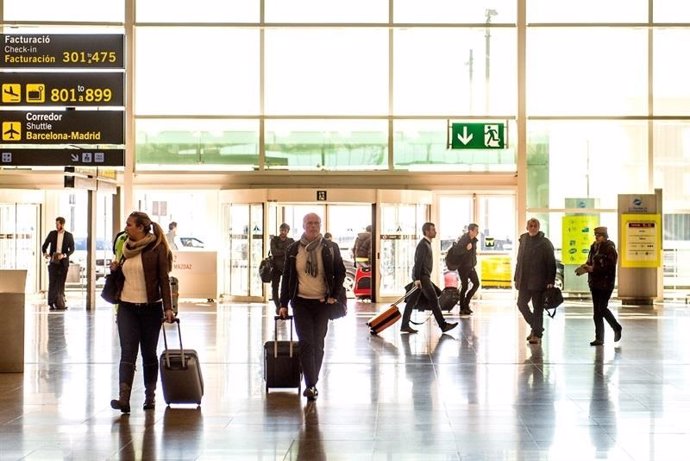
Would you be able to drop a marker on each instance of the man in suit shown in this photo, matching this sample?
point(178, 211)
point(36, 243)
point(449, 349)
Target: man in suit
point(57, 247)
point(421, 274)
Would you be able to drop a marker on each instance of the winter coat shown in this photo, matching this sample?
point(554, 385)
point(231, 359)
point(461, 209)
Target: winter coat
point(468, 258)
point(334, 271)
point(603, 258)
point(536, 263)
point(278, 251)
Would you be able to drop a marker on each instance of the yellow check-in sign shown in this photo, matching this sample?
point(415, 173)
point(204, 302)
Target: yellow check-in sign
point(11, 131)
point(11, 93)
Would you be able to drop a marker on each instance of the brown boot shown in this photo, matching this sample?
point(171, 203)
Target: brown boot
point(150, 397)
point(122, 403)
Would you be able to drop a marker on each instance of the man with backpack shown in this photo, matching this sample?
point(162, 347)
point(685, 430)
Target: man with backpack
point(361, 251)
point(462, 256)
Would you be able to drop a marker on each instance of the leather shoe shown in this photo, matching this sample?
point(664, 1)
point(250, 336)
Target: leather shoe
point(465, 312)
point(311, 393)
point(52, 306)
point(597, 342)
point(534, 339)
point(618, 334)
point(408, 329)
point(448, 326)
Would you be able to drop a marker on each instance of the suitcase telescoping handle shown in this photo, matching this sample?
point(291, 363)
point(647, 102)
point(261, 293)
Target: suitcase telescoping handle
point(275, 333)
point(165, 341)
point(402, 298)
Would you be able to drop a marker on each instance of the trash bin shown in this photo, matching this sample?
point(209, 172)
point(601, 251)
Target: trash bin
point(12, 299)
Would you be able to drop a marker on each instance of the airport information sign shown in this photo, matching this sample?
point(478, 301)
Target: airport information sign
point(65, 73)
point(61, 157)
point(68, 127)
point(62, 89)
point(39, 51)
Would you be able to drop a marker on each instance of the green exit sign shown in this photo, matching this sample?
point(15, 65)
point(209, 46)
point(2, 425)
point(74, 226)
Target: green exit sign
point(478, 136)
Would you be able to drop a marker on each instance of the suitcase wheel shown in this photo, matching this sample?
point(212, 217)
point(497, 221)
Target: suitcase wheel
point(373, 332)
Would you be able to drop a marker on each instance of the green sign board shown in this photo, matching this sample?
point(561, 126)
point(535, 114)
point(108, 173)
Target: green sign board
point(478, 136)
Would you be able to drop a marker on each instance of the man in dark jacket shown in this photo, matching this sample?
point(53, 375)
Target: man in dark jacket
point(279, 245)
point(535, 271)
point(421, 275)
point(601, 270)
point(312, 282)
point(467, 251)
point(58, 246)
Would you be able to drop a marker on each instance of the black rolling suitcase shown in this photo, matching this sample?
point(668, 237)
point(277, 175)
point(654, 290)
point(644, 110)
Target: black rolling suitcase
point(180, 373)
point(281, 360)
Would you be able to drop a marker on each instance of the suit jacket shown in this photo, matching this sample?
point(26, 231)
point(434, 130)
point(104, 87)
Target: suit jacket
point(423, 260)
point(67, 246)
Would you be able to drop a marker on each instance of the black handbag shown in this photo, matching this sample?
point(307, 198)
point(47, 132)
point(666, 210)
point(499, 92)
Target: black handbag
point(339, 308)
point(114, 282)
point(266, 269)
point(552, 299)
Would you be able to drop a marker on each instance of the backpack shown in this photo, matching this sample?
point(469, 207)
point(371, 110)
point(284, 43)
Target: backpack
point(453, 257)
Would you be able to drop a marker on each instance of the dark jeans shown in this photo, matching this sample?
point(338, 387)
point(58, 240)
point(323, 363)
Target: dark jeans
point(535, 317)
point(465, 278)
point(600, 300)
point(275, 287)
point(57, 276)
point(139, 325)
point(429, 293)
point(311, 324)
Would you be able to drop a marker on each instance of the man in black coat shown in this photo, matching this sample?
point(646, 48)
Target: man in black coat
point(534, 273)
point(421, 274)
point(467, 250)
point(58, 246)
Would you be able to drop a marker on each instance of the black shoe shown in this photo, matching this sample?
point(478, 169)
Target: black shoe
point(51, 306)
point(465, 312)
point(150, 405)
point(617, 334)
point(408, 329)
point(597, 342)
point(115, 405)
point(448, 326)
point(311, 393)
point(534, 339)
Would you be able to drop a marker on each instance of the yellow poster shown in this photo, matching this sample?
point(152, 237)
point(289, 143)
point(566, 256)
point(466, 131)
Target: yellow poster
point(578, 235)
point(640, 244)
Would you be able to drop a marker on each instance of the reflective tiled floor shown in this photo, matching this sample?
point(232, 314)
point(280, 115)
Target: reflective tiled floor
point(478, 393)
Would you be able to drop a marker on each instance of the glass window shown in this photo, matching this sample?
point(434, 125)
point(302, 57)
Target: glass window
point(326, 71)
point(422, 145)
point(217, 73)
point(326, 144)
point(203, 11)
point(454, 11)
point(597, 71)
point(444, 71)
point(587, 159)
point(587, 11)
point(672, 163)
point(671, 89)
point(342, 11)
point(64, 10)
point(671, 11)
point(197, 144)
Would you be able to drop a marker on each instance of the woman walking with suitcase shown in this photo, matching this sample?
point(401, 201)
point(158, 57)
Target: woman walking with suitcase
point(145, 301)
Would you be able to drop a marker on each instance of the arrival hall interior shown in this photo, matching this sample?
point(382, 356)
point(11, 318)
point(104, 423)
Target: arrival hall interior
point(232, 118)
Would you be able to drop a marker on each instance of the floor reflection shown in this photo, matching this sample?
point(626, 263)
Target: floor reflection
point(479, 392)
point(602, 412)
point(310, 445)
